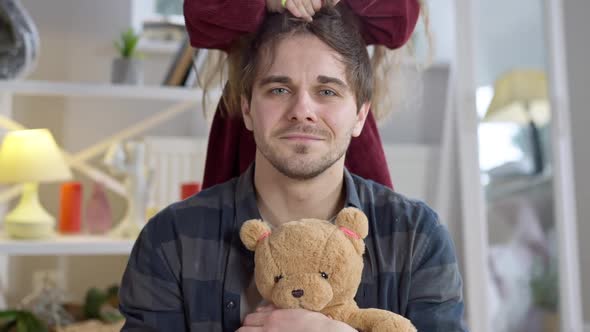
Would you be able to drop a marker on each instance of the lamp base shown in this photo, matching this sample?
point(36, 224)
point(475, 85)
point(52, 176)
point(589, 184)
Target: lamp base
point(29, 220)
point(32, 230)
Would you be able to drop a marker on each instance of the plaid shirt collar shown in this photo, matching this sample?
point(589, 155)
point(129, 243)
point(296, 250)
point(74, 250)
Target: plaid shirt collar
point(245, 197)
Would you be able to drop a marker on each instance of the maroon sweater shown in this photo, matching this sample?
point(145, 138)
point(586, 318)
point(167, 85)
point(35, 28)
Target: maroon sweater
point(218, 23)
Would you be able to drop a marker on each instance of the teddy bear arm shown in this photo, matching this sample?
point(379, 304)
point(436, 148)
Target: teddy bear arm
point(377, 320)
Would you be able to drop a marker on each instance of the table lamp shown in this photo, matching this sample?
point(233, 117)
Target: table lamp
point(520, 96)
point(30, 157)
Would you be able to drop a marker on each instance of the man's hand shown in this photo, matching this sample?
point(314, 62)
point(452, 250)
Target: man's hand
point(290, 320)
point(304, 9)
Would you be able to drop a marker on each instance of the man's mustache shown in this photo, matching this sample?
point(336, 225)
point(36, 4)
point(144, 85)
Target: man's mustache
point(303, 129)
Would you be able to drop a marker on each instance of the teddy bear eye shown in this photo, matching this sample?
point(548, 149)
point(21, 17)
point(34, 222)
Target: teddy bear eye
point(279, 277)
point(324, 275)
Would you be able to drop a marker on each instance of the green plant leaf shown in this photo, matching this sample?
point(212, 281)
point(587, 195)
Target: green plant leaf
point(21, 326)
point(33, 323)
point(94, 300)
point(8, 314)
point(127, 43)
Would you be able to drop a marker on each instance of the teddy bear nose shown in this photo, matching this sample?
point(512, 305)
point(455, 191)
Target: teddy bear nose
point(297, 293)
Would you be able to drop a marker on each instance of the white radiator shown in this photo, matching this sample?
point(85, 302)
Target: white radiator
point(173, 160)
point(176, 160)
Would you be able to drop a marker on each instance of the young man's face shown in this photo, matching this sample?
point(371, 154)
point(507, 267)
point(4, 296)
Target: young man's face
point(303, 112)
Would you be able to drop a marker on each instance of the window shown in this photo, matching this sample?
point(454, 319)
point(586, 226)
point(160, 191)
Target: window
point(169, 11)
point(169, 7)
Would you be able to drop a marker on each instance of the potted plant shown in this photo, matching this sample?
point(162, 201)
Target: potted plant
point(128, 68)
point(21, 321)
point(545, 291)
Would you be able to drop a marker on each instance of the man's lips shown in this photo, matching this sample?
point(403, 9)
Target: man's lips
point(302, 137)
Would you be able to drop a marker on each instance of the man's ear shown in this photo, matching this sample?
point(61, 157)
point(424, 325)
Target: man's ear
point(361, 117)
point(246, 112)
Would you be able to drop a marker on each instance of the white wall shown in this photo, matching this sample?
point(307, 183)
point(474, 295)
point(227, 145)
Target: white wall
point(577, 27)
point(509, 34)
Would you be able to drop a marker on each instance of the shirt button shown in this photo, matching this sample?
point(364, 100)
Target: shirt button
point(230, 305)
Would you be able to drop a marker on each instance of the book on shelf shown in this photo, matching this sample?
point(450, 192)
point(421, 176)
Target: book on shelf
point(181, 65)
point(163, 30)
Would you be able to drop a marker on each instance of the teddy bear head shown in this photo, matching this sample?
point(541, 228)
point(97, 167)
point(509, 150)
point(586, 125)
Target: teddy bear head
point(309, 263)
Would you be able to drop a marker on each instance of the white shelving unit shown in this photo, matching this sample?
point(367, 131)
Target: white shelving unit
point(80, 244)
point(101, 90)
point(63, 245)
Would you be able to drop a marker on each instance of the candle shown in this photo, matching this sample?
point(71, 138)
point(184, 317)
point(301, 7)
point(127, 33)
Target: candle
point(70, 208)
point(188, 189)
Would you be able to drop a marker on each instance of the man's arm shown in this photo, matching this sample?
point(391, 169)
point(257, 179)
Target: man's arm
point(386, 22)
point(150, 296)
point(269, 318)
point(435, 297)
point(218, 23)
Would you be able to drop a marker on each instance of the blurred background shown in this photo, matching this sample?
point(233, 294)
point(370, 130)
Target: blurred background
point(498, 118)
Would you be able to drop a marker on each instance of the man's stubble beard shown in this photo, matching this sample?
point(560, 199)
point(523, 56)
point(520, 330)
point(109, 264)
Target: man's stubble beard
point(303, 168)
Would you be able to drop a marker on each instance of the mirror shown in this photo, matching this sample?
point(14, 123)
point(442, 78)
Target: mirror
point(514, 139)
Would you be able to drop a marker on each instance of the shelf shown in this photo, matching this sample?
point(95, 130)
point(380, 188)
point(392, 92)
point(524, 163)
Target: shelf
point(65, 245)
point(158, 47)
point(100, 90)
point(517, 185)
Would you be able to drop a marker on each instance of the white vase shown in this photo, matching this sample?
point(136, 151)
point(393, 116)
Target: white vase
point(127, 71)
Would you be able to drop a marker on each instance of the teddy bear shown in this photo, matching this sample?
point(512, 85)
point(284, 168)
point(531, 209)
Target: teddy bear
point(316, 265)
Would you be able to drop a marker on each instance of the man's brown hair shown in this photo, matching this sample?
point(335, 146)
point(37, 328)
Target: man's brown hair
point(335, 26)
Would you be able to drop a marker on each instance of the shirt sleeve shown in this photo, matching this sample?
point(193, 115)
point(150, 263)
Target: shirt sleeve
point(217, 23)
point(386, 22)
point(435, 300)
point(150, 295)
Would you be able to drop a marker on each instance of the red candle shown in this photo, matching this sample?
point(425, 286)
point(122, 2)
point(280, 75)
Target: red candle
point(70, 207)
point(188, 189)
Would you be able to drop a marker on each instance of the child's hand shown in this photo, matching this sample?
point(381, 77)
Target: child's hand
point(304, 9)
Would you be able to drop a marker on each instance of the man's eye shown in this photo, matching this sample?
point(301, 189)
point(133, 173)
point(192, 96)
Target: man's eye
point(327, 93)
point(279, 91)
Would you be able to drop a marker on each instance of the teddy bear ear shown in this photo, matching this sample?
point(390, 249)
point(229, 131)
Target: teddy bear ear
point(252, 231)
point(353, 222)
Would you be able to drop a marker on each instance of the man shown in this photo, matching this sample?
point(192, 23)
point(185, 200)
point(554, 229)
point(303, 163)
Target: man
point(304, 88)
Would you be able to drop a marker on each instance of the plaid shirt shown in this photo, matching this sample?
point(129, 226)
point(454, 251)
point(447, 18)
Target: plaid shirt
point(188, 267)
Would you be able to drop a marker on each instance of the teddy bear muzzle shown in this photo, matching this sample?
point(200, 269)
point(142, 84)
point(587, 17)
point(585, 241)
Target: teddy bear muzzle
point(307, 291)
point(297, 293)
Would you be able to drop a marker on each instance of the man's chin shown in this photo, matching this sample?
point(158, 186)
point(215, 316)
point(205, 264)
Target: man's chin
point(300, 175)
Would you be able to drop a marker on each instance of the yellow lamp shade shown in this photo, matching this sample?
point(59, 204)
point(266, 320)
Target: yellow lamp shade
point(31, 156)
point(520, 96)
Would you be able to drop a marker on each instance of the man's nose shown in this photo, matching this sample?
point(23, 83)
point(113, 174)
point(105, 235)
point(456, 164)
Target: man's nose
point(302, 108)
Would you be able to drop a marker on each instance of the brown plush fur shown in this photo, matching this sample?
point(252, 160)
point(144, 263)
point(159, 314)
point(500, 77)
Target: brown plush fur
point(290, 262)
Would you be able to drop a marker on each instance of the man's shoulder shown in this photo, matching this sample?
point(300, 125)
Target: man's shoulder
point(215, 197)
point(407, 214)
point(208, 205)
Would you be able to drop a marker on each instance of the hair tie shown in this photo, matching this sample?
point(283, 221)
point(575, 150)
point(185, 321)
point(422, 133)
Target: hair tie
point(263, 236)
point(350, 233)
